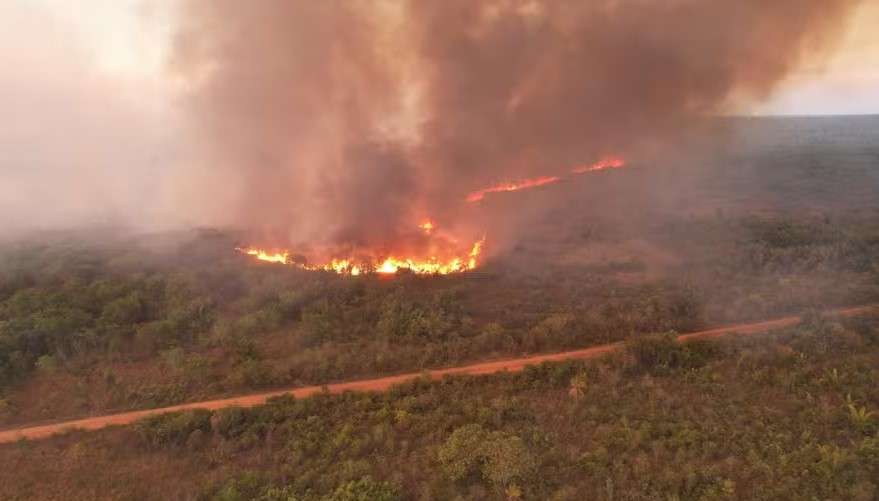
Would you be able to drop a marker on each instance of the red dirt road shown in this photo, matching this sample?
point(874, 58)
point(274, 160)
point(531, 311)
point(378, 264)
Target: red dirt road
point(383, 384)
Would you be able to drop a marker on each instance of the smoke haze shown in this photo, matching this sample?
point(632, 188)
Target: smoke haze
point(351, 121)
point(346, 121)
point(78, 147)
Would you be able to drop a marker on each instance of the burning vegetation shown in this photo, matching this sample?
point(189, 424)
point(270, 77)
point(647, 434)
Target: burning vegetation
point(329, 124)
point(443, 254)
point(606, 163)
point(434, 253)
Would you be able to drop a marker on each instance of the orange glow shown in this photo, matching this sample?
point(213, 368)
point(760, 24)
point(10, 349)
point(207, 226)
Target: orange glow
point(513, 186)
point(607, 163)
point(453, 262)
point(427, 227)
point(280, 257)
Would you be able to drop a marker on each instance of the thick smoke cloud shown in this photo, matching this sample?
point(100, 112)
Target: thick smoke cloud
point(79, 147)
point(347, 121)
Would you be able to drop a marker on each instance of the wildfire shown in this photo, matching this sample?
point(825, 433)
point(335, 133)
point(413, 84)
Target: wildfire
point(450, 261)
point(388, 264)
point(606, 163)
point(513, 186)
point(280, 257)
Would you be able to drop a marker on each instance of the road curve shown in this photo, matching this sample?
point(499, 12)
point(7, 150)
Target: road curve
point(384, 383)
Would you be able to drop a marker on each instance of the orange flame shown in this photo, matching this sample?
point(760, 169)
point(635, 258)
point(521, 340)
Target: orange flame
point(432, 266)
point(513, 186)
point(607, 163)
point(386, 264)
point(262, 255)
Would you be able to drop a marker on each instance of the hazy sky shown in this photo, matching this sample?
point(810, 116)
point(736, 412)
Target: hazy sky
point(850, 83)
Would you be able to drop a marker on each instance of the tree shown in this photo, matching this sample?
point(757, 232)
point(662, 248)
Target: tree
point(499, 458)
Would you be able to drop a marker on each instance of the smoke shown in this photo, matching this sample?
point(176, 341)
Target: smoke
point(346, 121)
point(79, 147)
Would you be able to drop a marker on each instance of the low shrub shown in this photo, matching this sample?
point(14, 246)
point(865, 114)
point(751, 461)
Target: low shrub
point(662, 352)
point(174, 428)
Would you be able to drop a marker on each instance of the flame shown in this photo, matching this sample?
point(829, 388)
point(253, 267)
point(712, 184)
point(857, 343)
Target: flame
point(389, 264)
point(386, 264)
point(513, 186)
point(605, 163)
point(262, 255)
point(475, 253)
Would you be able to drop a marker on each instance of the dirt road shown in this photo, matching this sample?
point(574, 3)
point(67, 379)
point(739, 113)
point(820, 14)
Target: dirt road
point(382, 384)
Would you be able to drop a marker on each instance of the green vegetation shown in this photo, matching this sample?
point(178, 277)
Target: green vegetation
point(791, 415)
point(90, 324)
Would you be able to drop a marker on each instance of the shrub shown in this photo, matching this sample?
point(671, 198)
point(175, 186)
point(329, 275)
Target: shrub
point(319, 323)
point(6, 409)
point(230, 422)
point(402, 318)
point(46, 363)
point(173, 428)
point(662, 352)
point(498, 458)
point(279, 494)
point(459, 455)
point(126, 310)
point(550, 331)
point(365, 489)
point(251, 373)
point(244, 487)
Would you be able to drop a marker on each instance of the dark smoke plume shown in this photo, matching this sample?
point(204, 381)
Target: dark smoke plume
point(345, 121)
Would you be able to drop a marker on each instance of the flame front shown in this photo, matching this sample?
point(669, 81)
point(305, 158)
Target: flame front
point(606, 163)
point(603, 164)
point(388, 264)
point(262, 255)
point(513, 186)
point(450, 262)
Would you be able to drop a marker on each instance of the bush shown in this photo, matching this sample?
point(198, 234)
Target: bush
point(173, 428)
point(251, 373)
point(279, 494)
point(319, 323)
point(6, 409)
point(46, 363)
point(126, 310)
point(501, 459)
point(662, 352)
point(404, 319)
point(365, 489)
point(230, 422)
point(244, 487)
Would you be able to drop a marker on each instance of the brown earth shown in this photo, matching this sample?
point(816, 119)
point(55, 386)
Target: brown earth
point(384, 383)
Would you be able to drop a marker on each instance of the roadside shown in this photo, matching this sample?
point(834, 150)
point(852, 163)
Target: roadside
point(384, 383)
